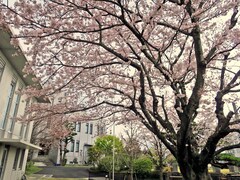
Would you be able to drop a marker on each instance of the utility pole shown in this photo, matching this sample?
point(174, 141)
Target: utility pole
point(113, 149)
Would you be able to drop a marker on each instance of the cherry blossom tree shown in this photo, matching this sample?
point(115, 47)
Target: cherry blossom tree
point(158, 153)
point(47, 132)
point(171, 64)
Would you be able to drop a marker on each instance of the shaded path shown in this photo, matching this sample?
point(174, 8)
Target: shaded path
point(65, 172)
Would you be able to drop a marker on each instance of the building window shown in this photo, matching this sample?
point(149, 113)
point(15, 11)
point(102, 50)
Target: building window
point(2, 65)
point(87, 124)
point(78, 126)
point(4, 158)
point(23, 126)
point(16, 106)
point(21, 160)
point(77, 146)
point(27, 131)
point(72, 147)
point(16, 159)
point(100, 130)
point(91, 129)
point(9, 102)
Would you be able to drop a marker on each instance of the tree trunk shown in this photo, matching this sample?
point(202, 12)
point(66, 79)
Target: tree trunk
point(131, 167)
point(64, 160)
point(189, 173)
point(160, 162)
point(63, 152)
point(61, 155)
point(161, 172)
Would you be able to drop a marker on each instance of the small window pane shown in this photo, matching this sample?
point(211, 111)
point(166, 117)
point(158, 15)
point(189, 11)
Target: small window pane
point(22, 158)
point(78, 126)
point(87, 124)
point(77, 146)
point(16, 159)
point(16, 106)
point(72, 146)
point(2, 65)
point(9, 103)
point(91, 129)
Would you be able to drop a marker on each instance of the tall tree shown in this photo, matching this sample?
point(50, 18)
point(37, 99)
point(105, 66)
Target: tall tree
point(107, 153)
point(131, 138)
point(103, 146)
point(155, 149)
point(171, 64)
point(65, 140)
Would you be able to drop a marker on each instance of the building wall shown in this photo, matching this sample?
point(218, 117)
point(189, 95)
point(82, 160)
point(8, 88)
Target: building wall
point(54, 155)
point(86, 135)
point(14, 135)
point(7, 77)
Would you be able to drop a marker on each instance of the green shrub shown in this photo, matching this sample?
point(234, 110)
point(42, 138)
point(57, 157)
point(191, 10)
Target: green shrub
point(105, 163)
point(143, 165)
point(230, 158)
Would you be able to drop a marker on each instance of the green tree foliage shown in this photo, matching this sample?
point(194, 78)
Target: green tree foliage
point(103, 147)
point(143, 165)
point(106, 163)
point(229, 159)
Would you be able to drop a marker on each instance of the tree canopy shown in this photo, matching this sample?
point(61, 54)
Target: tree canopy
point(101, 153)
point(105, 144)
point(171, 64)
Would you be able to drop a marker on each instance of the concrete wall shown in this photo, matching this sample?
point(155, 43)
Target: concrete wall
point(85, 141)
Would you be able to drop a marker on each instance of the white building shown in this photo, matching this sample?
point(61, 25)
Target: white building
point(14, 135)
point(86, 133)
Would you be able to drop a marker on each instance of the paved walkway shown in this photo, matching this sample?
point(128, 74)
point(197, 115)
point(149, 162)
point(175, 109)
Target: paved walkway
point(37, 176)
point(40, 176)
point(40, 164)
point(62, 172)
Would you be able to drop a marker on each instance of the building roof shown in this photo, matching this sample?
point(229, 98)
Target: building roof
point(18, 61)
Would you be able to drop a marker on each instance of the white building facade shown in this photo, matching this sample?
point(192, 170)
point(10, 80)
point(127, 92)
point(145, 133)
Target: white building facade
point(14, 135)
point(86, 133)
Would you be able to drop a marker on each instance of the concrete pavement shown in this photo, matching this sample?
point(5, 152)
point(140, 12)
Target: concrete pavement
point(41, 176)
point(37, 176)
point(62, 172)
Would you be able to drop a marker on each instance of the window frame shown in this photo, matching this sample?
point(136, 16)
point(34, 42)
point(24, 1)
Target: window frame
point(2, 67)
point(16, 158)
point(78, 127)
point(10, 98)
point(15, 110)
point(91, 129)
point(87, 128)
point(20, 166)
point(72, 146)
point(77, 146)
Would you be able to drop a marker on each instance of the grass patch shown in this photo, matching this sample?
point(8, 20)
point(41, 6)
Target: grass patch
point(31, 169)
